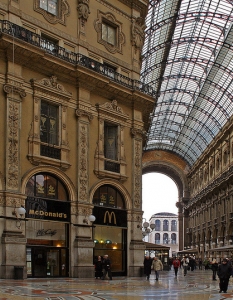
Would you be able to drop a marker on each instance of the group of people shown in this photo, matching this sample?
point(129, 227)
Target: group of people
point(152, 264)
point(224, 270)
point(102, 267)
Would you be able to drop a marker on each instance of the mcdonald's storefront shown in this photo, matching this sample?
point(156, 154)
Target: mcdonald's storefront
point(110, 237)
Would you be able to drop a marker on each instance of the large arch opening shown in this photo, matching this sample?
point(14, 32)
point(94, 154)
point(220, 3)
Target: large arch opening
point(159, 194)
point(159, 198)
point(174, 167)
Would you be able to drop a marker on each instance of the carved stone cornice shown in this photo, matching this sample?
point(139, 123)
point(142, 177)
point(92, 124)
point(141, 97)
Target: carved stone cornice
point(111, 109)
point(11, 89)
point(52, 87)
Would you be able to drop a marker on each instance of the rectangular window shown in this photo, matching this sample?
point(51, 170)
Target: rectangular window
point(109, 33)
point(50, 6)
point(49, 123)
point(111, 148)
point(110, 141)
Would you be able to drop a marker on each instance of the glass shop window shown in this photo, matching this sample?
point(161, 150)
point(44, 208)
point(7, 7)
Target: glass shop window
point(46, 186)
point(108, 196)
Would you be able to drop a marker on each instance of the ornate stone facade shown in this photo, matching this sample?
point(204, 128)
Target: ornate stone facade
point(58, 70)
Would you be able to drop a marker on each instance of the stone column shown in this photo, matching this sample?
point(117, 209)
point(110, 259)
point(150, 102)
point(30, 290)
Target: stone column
point(181, 220)
point(82, 233)
point(13, 241)
point(136, 245)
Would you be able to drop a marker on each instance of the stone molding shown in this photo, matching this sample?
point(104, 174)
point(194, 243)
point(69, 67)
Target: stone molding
point(110, 112)
point(51, 90)
point(109, 17)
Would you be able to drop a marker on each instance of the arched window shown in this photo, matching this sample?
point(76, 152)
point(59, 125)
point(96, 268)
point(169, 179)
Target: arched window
point(45, 185)
point(165, 225)
point(157, 225)
point(157, 238)
point(173, 225)
point(173, 238)
point(108, 196)
point(165, 238)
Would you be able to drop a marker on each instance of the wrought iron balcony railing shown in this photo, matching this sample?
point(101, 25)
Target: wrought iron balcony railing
point(52, 48)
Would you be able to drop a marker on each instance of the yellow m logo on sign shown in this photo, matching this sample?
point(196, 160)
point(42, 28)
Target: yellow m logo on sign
point(110, 216)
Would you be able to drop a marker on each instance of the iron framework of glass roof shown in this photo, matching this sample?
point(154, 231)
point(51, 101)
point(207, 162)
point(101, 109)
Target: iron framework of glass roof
point(188, 59)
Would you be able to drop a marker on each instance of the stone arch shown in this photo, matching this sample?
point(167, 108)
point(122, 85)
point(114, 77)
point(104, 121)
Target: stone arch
point(168, 164)
point(117, 185)
point(55, 171)
point(176, 168)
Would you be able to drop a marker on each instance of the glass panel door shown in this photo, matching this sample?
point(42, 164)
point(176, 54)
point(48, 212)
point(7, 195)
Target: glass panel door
point(53, 262)
point(39, 262)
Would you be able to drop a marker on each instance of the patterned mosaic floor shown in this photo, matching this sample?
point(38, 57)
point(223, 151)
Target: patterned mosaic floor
point(196, 285)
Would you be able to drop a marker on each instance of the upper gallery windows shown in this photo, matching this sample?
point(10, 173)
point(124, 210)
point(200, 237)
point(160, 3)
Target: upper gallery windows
point(54, 11)
point(109, 32)
point(50, 6)
point(49, 123)
point(48, 140)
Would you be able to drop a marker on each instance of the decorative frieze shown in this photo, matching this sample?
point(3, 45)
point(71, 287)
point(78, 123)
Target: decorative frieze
point(83, 162)
point(138, 34)
point(137, 173)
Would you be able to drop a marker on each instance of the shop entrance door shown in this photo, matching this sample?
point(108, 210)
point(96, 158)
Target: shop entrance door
point(47, 262)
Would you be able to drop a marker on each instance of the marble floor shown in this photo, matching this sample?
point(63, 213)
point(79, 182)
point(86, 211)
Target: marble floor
point(196, 285)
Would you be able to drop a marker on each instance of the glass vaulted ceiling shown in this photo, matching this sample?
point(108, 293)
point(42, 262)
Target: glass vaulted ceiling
point(188, 59)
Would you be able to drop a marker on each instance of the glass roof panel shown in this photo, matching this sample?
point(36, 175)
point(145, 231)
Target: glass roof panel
point(188, 59)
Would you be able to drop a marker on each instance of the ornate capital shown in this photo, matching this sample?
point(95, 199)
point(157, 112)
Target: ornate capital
point(81, 112)
point(135, 131)
point(14, 89)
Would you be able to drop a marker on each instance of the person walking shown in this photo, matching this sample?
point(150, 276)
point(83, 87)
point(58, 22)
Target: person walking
point(224, 273)
point(214, 267)
point(176, 265)
point(191, 263)
point(98, 267)
point(185, 261)
point(106, 267)
point(200, 264)
point(147, 266)
point(157, 266)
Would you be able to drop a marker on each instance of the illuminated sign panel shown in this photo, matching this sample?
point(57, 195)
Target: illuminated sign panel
point(43, 209)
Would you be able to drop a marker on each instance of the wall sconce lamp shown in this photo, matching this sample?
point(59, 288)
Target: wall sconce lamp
point(90, 218)
point(19, 213)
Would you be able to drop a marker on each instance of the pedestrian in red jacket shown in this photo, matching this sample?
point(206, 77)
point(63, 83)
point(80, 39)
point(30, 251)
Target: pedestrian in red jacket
point(176, 264)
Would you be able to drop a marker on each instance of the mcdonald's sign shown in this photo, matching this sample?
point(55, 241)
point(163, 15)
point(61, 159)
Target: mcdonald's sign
point(108, 216)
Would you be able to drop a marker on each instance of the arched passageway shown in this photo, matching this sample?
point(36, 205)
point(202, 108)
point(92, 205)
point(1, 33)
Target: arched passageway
point(174, 167)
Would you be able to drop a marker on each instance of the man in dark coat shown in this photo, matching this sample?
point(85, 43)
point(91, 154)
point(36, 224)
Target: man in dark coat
point(147, 266)
point(224, 273)
point(106, 267)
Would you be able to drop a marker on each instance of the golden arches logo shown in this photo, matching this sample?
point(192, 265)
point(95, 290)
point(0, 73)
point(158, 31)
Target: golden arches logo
point(110, 216)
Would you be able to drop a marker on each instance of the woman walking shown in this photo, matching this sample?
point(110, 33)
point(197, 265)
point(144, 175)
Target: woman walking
point(214, 267)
